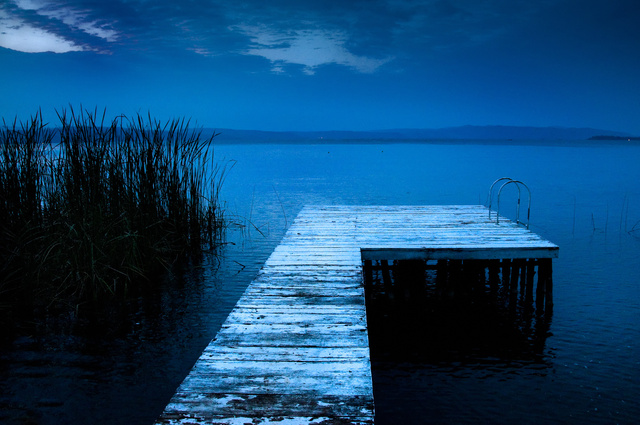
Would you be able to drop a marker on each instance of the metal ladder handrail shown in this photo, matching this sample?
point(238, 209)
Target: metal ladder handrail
point(491, 192)
point(517, 183)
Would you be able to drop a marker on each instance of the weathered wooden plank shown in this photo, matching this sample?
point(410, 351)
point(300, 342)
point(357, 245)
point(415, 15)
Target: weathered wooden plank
point(329, 255)
point(457, 253)
point(347, 384)
point(269, 405)
point(314, 290)
point(313, 338)
point(290, 309)
point(346, 378)
point(307, 354)
point(426, 233)
point(254, 300)
point(320, 370)
point(191, 419)
point(240, 316)
point(287, 322)
point(328, 270)
point(297, 262)
point(293, 330)
point(283, 283)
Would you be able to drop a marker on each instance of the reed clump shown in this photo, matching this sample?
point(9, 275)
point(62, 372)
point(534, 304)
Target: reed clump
point(93, 209)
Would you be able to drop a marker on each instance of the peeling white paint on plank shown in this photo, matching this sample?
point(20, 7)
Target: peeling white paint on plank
point(307, 354)
point(281, 404)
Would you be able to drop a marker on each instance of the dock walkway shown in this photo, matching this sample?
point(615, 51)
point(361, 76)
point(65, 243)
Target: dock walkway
point(294, 350)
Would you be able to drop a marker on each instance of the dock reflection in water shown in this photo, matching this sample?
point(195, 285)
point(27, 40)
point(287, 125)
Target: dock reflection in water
point(436, 340)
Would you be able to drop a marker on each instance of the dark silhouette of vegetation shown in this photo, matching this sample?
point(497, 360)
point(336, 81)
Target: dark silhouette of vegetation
point(92, 209)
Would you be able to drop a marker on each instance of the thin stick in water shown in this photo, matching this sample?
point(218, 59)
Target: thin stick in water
point(281, 206)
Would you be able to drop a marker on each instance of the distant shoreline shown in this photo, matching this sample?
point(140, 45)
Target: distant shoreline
point(220, 140)
point(615, 138)
point(451, 135)
point(465, 135)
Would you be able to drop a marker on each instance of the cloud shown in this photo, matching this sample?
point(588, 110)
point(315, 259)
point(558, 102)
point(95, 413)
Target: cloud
point(365, 34)
point(16, 34)
point(310, 48)
point(37, 26)
point(72, 17)
point(97, 30)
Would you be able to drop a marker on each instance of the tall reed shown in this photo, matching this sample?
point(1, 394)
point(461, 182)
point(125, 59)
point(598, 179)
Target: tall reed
point(95, 208)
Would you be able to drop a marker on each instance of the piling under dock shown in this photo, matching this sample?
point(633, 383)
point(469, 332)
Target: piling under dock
point(294, 350)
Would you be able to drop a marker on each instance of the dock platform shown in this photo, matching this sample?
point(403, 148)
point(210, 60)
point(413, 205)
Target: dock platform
point(294, 350)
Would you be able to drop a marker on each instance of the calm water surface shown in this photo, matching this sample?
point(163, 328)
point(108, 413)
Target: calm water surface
point(585, 199)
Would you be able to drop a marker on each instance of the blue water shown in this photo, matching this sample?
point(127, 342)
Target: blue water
point(586, 199)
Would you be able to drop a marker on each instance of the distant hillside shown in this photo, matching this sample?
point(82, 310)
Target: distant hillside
point(468, 132)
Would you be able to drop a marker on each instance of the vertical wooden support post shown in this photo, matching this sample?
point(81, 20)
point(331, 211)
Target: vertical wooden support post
point(513, 284)
point(523, 277)
point(531, 272)
point(540, 289)
point(480, 276)
point(546, 273)
point(442, 276)
point(494, 274)
point(506, 274)
point(527, 275)
point(386, 278)
point(386, 275)
point(513, 281)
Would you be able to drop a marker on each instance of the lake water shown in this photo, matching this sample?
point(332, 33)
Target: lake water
point(586, 199)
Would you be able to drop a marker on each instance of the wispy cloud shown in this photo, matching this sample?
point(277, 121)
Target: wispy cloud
point(36, 26)
point(363, 35)
point(72, 17)
point(310, 48)
point(15, 34)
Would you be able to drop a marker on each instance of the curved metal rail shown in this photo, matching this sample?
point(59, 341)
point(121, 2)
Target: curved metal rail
point(518, 183)
point(491, 192)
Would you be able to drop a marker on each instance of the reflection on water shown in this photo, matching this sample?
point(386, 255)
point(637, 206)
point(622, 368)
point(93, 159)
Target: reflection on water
point(416, 315)
point(424, 328)
point(124, 367)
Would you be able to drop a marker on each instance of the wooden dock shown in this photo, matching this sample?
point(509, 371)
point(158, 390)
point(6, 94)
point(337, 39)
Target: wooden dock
point(295, 348)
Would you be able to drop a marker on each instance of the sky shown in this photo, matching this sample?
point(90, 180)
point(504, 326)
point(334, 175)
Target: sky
point(327, 65)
